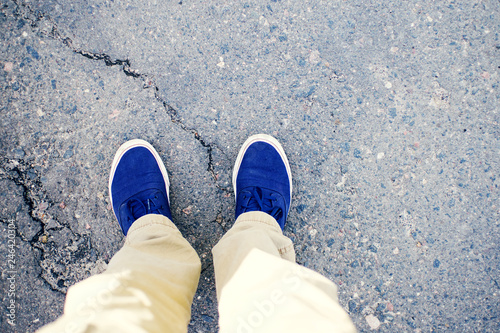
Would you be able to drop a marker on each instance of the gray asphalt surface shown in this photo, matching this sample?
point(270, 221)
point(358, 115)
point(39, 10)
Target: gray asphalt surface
point(388, 112)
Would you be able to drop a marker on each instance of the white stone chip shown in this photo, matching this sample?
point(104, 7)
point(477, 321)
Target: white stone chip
point(373, 322)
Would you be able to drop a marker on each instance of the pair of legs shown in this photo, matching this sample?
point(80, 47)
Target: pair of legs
point(149, 284)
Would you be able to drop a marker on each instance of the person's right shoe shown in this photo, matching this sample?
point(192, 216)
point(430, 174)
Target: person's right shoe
point(262, 179)
point(138, 183)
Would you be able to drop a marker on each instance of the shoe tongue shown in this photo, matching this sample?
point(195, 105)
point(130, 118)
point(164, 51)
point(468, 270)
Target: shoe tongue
point(136, 208)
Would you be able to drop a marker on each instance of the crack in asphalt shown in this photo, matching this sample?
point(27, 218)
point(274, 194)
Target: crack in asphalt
point(174, 117)
point(220, 220)
point(33, 195)
point(21, 181)
point(35, 19)
point(25, 11)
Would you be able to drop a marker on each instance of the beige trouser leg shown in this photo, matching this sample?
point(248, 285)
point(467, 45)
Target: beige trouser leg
point(148, 286)
point(261, 289)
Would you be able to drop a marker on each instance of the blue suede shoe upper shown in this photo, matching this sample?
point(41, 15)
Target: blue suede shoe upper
point(138, 188)
point(262, 183)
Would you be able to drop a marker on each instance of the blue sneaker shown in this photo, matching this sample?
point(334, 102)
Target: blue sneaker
point(262, 179)
point(138, 183)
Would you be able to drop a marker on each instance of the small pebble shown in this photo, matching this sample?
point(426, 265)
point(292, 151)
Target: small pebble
point(221, 63)
point(207, 318)
point(43, 206)
point(68, 153)
point(114, 114)
point(388, 317)
point(353, 307)
point(390, 307)
point(8, 66)
point(188, 210)
point(19, 153)
point(373, 322)
point(314, 57)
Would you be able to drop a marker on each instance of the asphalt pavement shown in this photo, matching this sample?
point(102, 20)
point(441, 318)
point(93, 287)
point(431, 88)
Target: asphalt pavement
point(388, 112)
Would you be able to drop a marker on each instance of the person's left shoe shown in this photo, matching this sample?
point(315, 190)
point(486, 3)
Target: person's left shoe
point(138, 183)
